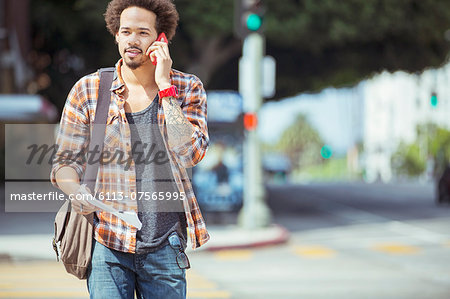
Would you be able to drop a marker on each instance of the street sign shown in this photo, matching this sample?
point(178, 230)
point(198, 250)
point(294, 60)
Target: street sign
point(268, 77)
point(269, 74)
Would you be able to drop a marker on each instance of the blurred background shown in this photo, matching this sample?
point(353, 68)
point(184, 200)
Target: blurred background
point(352, 143)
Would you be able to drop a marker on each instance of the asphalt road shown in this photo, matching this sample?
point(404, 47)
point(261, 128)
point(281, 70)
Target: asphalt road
point(347, 241)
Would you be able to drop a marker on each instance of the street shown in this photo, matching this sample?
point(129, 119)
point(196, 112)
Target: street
point(347, 241)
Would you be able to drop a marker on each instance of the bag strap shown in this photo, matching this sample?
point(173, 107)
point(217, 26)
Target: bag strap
point(98, 130)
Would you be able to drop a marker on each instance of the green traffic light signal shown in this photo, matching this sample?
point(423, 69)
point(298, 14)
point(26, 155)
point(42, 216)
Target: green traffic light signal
point(434, 100)
point(249, 17)
point(254, 22)
point(326, 152)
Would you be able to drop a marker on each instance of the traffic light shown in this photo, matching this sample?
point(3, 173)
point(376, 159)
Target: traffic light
point(250, 121)
point(249, 15)
point(326, 152)
point(434, 100)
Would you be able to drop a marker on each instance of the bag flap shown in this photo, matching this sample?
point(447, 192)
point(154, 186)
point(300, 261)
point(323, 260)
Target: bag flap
point(61, 220)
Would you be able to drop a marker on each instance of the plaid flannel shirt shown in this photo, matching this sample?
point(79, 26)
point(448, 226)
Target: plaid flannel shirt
point(73, 136)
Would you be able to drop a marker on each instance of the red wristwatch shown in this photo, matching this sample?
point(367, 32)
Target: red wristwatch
point(168, 92)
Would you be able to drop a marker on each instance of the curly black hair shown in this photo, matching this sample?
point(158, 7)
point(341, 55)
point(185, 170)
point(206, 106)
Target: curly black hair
point(165, 11)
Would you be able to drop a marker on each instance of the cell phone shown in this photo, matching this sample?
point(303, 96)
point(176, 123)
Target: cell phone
point(161, 38)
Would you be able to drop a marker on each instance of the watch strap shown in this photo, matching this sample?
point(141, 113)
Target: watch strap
point(172, 91)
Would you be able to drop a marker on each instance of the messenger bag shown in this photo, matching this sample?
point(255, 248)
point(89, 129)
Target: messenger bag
point(73, 231)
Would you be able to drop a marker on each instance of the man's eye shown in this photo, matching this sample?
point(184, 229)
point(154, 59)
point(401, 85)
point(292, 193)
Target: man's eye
point(144, 33)
point(125, 32)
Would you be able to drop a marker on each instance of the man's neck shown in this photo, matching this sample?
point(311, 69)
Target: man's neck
point(144, 76)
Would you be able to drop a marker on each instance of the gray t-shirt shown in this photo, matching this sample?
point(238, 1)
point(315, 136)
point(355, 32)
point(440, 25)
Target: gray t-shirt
point(156, 189)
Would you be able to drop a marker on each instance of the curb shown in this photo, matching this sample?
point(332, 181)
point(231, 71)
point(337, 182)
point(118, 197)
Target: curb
point(38, 247)
point(246, 238)
point(282, 238)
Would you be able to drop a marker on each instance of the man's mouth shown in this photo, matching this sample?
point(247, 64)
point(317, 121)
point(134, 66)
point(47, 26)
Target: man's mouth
point(133, 52)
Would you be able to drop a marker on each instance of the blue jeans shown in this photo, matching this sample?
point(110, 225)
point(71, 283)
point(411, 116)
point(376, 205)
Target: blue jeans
point(114, 274)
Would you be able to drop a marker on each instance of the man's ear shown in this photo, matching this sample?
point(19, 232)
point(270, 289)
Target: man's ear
point(116, 38)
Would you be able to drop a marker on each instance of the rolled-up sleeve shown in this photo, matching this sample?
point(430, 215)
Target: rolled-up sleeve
point(195, 109)
point(73, 134)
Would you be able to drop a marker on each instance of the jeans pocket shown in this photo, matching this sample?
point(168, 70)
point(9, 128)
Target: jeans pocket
point(181, 257)
point(174, 241)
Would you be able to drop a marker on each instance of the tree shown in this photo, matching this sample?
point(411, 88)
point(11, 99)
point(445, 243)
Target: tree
point(316, 43)
point(432, 142)
point(333, 43)
point(408, 161)
point(438, 144)
point(69, 40)
point(301, 143)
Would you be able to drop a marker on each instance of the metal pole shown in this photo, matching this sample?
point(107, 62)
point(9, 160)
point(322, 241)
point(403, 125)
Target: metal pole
point(254, 212)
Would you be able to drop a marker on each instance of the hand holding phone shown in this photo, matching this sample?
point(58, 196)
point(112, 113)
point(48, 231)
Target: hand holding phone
point(161, 38)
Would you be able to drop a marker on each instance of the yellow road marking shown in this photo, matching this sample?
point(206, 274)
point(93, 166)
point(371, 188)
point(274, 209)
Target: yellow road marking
point(198, 282)
point(210, 294)
point(49, 280)
point(6, 286)
point(236, 254)
point(41, 276)
point(40, 283)
point(397, 248)
point(42, 294)
point(200, 287)
point(314, 251)
point(39, 280)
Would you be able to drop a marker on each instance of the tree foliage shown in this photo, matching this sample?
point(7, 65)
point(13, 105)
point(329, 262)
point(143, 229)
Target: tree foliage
point(316, 43)
point(301, 143)
point(408, 160)
point(340, 42)
point(432, 142)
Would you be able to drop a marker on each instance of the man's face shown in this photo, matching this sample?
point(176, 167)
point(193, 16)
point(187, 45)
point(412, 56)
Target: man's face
point(136, 33)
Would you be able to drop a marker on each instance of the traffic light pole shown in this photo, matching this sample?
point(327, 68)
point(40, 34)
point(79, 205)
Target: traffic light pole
point(254, 212)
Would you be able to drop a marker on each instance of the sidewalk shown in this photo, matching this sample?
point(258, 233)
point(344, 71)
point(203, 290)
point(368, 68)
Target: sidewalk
point(39, 246)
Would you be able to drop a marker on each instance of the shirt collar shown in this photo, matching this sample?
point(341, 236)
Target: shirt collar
point(118, 86)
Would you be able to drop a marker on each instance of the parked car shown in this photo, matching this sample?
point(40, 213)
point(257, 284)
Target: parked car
point(443, 186)
point(24, 108)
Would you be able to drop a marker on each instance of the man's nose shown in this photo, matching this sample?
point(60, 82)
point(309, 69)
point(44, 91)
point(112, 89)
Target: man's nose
point(133, 40)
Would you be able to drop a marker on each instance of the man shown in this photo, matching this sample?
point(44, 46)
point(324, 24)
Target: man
point(143, 97)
